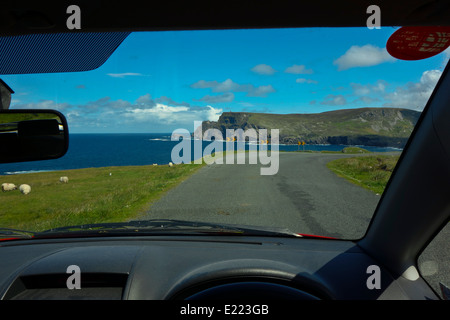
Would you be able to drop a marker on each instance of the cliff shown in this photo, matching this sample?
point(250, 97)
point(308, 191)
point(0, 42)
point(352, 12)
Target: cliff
point(384, 127)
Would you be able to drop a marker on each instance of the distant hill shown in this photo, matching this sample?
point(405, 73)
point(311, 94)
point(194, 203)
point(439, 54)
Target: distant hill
point(384, 127)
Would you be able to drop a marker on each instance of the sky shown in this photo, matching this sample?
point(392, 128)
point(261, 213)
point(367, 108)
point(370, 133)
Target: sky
point(162, 81)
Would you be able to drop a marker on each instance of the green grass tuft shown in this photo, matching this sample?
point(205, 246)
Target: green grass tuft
point(370, 172)
point(354, 150)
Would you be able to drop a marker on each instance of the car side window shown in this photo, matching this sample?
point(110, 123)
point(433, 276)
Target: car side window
point(434, 264)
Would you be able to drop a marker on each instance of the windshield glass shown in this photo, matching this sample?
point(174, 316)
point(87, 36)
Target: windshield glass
point(298, 129)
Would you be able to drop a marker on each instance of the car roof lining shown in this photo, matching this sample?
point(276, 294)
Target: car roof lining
point(24, 17)
point(26, 23)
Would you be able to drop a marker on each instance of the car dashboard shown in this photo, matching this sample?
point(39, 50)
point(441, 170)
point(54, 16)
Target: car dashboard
point(197, 267)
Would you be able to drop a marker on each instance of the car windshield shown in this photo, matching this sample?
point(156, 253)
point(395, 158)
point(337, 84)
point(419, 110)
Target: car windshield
point(296, 130)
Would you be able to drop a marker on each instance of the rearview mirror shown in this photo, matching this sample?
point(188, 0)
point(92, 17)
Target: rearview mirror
point(29, 135)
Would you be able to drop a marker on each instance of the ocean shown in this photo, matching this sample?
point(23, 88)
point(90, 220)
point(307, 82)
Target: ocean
point(103, 150)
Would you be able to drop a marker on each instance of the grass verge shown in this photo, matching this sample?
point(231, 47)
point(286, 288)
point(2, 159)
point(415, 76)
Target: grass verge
point(346, 150)
point(92, 195)
point(370, 172)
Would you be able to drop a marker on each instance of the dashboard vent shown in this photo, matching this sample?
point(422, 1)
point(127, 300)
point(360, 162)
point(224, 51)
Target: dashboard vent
point(94, 286)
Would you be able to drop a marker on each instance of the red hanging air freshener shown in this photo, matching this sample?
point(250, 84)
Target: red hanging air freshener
point(417, 43)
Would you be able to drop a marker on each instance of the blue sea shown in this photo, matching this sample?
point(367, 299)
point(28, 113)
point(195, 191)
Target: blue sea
point(103, 150)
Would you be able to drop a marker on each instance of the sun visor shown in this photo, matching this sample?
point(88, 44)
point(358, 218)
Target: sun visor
point(59, 52)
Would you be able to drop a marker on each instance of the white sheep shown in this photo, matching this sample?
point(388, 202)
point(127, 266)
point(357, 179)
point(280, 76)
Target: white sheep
point(170, 164)
point(8, 187)
point(25, 188)
point(64, 179)
point(155, 164)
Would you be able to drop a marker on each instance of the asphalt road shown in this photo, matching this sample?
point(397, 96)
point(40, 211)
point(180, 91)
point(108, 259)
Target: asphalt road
point(304, 197)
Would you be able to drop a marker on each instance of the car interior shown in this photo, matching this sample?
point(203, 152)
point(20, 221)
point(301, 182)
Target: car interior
point(411, 213)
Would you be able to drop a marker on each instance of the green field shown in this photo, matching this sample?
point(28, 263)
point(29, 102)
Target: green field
point(346, 150)
point(114, 194)
point(371, 172)
point(354, 150)
point(93, 195)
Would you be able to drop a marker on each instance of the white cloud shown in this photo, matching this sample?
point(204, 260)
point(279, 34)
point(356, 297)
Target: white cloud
point(118, 115)
point(123, 75)
point(226, 97)
point(145, 100)
point(447, 53)
point(227, 85)
point(364, 56)
point(169, 115)
point(170, 101)
point(263, 69)
point(261, 91)
point(364, 90)
point(202, 84)
point(430, 78)
point(334, 100)
point(303, 80)
point(213, 114)
point(43, 104)
point(359, 89)
point(107, 103)
point(414, 95)
point(231, 86)
point(164, 111)
point(159, 111)
point(298, 69)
